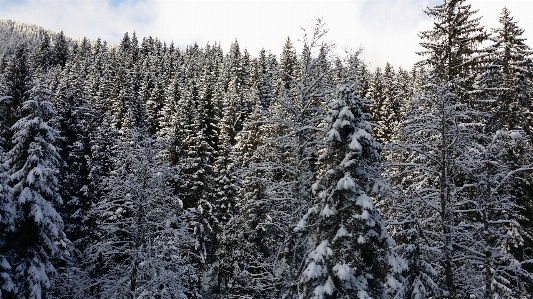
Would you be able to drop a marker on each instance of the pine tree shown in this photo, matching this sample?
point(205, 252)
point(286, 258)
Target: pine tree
point(289, 64)
point(73, 121)
point(505, 88)
point(16, 85)
point(61, 50)
point(196, 160)
point(437, 135)
point(377, 94)
point(392, 106)
point(506, 78)
point(7, 218)
point(250, 228)
point(42, 57)
point(142, 239)
point(451, 46)
point(38, 228)
point(352, 249)
point(432, 173)
point(494, 230)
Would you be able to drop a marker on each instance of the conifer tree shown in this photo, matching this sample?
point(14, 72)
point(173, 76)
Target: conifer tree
point(439, 130)
point(37, 227)
point(61, 50)
point(495, 230)
point(376, 93)
point(7, 217)
point(42, 57)
point(141, 237)
point(352, 250)
point(289, 64)
point(505, 86)
point(506, 82)
point(16, 84)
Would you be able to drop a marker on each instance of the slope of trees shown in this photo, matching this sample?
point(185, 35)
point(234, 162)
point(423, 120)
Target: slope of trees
point(145, 171)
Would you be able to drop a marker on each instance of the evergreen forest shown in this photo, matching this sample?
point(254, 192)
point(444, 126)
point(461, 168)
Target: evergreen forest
point(145, 171)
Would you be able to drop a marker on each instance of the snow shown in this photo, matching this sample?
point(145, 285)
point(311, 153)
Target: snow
point(397, 263)
point(25, 195)
point(5, 264)
point(515, 135)
point(327, 288)
point(362, 294)
point(346, 183)
point(347, 161)
point(37, 213)
point(321, 251)
point(314, 187)
point(364, 201)
point(345, 112)
point(356, 136)
point(303, 222)
point(343, 272)
point(361, 240)
point(365, 216)
point(313, 271)
point(36, 171)
point(355, 145)
point(392, 282)
point(333, 134)
point(342, 232)
point(327, 211)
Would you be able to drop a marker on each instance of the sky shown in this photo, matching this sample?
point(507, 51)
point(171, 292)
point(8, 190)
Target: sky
point(385, 29)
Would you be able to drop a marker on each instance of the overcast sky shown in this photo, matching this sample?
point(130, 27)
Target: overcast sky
point(386, 29)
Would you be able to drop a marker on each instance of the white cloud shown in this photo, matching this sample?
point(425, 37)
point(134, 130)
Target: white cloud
point(90, 18)
point(387, 29)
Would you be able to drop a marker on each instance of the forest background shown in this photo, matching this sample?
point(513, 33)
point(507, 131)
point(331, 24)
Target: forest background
point(142, 170)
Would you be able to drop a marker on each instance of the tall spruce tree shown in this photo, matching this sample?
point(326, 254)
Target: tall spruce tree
point(437, 135)
point(37, 227)
point(7, 217)
point(505, 86)
point(505, 81)
point(352, 254)
point(16, 85)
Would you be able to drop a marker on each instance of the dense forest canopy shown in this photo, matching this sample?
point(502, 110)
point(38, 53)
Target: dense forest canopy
point(141, 170)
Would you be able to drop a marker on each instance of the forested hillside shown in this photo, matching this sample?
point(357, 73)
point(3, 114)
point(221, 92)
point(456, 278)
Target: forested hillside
point(141, 170)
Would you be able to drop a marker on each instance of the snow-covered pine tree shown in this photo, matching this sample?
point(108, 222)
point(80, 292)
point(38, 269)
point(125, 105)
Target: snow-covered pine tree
point(493, 233)
point(289, 65)
point(7, 217)
point(37, 227)
point(142, 243)
point(263, 80)
point(451, 47)
point(16, 83)
point(505, 86)
point(195, 164)
point(168, 120)
point(251, 237)
point(377, 94)
point(430, 169)
point(386, 108)
point(352, 254)
point(73, 119)
point(289, 155)
point(42, 56)
point(505, 82)
point(61, 50)
point(438, 132)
